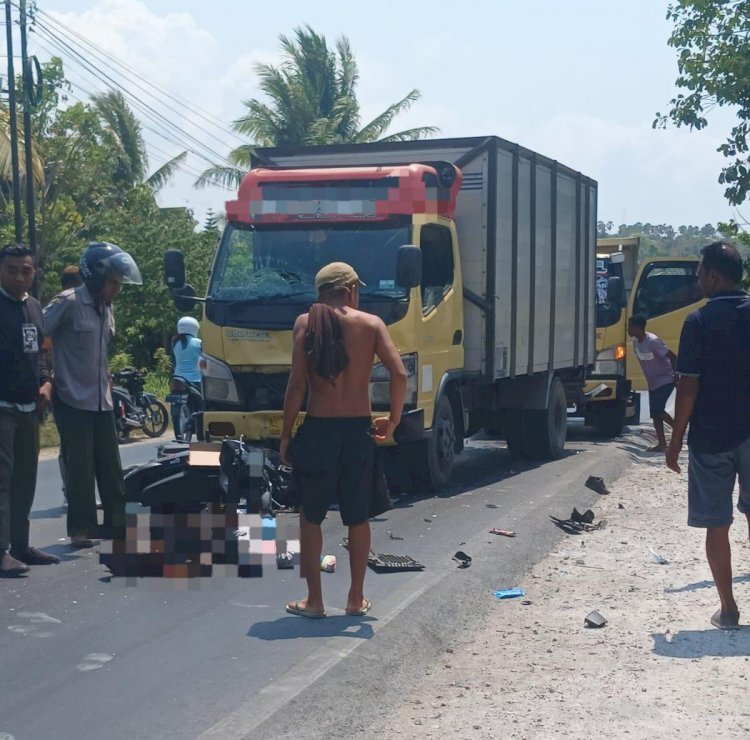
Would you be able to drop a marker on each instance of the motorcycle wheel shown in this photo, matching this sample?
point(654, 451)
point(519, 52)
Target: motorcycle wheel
point(182, 421)
point(157, 419)
point(123, 431)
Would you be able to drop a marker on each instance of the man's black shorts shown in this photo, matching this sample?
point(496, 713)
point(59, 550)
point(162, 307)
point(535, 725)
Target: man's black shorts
point(335, 460)
point(657, 399)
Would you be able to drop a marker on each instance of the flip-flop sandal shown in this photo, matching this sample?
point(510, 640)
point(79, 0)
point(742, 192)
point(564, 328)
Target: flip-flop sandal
point(726, 621)
point(299, 611)
point(360, 612)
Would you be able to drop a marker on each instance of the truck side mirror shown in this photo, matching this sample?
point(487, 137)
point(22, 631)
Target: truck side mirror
point(616, 292)
point(409, 266)
point(174, 270)
point(184, 298)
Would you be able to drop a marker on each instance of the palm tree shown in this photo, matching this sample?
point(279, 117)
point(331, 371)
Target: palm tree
point(312, 101)
point(6, 169)
point(126, 137)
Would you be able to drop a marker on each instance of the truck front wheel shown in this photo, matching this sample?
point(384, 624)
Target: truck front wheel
point(431, 461)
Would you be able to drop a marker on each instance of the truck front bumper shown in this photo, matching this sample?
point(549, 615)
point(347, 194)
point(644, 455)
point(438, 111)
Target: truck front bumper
point(608, 388)
point(265, 426)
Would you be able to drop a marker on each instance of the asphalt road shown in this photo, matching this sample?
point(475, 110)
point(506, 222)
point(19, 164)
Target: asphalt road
point(85, 655)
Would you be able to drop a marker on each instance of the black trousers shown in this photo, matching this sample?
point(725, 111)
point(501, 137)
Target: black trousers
point(19, 455)
point(88, 443)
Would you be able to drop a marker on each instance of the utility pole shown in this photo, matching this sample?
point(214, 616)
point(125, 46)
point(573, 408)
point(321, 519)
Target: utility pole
point(13, 126)
point(27, 135)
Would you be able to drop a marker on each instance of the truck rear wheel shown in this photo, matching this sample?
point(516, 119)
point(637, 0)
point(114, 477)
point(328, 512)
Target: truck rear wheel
point(610, 417)
point(546, 430)
point(431, 461)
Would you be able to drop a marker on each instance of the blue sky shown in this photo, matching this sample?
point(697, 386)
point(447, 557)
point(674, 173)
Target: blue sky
point(578, 81)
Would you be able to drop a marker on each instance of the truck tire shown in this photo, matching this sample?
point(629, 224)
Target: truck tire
point(546, 430)
point(610, 417)
point(431, 461)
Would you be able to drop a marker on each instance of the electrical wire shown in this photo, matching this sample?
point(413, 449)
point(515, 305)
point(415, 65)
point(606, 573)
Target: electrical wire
point(107, 79)
point(161, 133)
point(114, 61)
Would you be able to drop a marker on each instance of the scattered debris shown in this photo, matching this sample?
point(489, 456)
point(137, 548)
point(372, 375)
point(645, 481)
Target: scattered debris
point(463, 560)
point(510, 593)
point(393, 536)
point(595, 620)
point(586, 518)
point(383, 563)
point(659, 559)
point(526, 602)
point(595, 483)
point(285, 561)
point(492, 506)
point(571, 526)
point(328, 563)
point(620, 506)
point(502, 532)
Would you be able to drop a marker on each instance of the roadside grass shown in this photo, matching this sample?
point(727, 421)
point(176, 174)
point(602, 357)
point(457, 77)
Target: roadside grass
point(48, 436)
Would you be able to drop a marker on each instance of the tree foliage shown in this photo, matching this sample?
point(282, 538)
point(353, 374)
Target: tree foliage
point(96, 186)
point(713, 41)
point(312, 99)
point(663, 240)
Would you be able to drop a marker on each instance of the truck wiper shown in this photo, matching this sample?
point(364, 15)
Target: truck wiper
point(262, 300)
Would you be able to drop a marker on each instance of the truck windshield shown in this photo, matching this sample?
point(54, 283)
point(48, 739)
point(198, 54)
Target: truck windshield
point(264, 276)
point(278, 263)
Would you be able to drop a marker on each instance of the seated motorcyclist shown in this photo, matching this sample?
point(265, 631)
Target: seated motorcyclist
point(186, 350)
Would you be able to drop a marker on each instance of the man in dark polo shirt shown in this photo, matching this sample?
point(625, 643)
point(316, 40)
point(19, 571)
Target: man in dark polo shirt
point(714, 396)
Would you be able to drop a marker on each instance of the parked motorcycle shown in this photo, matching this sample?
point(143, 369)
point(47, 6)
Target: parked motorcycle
point(135, 409)
point(186, 399)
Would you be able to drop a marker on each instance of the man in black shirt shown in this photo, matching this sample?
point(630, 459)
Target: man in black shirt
point(714, 396)
point(25, 390)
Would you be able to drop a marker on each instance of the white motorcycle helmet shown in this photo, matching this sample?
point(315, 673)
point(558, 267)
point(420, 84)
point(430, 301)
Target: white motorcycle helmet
point(188, 325)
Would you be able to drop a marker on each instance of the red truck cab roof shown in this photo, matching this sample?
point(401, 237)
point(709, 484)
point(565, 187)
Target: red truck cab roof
point(345, 193)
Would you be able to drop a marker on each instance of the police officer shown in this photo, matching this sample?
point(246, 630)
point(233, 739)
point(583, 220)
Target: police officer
point(81, 325)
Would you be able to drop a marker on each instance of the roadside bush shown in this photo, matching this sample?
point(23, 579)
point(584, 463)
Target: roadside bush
point(120, 361)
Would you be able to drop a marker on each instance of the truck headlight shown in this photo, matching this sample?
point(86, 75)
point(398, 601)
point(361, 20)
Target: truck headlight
point(380, 387)
point(610, 361)
point(218, 381)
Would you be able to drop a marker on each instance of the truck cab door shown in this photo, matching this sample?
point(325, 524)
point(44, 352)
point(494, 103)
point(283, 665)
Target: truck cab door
point(665, 291)
point(440, 341)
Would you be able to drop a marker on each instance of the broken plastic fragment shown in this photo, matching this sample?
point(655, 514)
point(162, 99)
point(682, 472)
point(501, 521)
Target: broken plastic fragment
point(659, 559)
point(509, 593)
point(328, 563)
point(463, 560)
point(595, 620)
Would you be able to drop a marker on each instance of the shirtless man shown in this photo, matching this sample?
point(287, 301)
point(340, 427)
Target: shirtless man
point(333, 453)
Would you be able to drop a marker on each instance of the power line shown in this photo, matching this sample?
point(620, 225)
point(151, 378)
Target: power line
point(102, 76)
point(167, 136)
point(113, 61)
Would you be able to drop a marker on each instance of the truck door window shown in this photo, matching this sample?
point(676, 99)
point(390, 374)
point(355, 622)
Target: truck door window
point(437, 265)
point(665, 287)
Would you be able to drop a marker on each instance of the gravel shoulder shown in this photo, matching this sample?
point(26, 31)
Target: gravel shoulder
point(658, 669)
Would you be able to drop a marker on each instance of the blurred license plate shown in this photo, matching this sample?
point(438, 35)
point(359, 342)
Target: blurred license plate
point(177, 398)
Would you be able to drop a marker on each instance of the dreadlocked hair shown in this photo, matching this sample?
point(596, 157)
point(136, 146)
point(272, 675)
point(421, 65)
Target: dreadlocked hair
point(324, 342)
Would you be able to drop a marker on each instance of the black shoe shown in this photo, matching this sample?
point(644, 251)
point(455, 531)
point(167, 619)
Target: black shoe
point(595, 483)
point(10, 567)
point(32, 556)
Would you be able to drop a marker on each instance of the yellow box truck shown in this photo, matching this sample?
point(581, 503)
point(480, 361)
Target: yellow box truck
point(662, 289)
point(495, 329)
